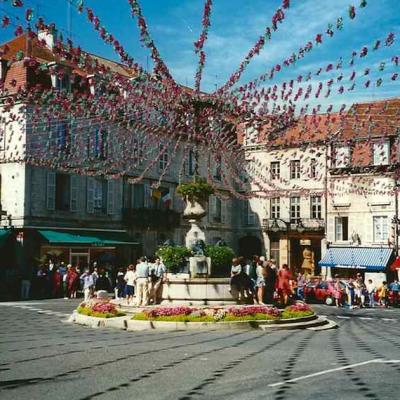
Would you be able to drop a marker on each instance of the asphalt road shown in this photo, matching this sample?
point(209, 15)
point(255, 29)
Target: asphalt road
point(42, 357)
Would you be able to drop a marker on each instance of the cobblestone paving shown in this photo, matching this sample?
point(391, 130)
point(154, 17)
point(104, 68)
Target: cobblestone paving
point(42, 357)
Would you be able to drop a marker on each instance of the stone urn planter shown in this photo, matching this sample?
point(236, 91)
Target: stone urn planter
point(195, 208)
point(195, 195)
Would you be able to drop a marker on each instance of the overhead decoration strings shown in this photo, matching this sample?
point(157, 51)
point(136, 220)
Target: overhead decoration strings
point(88, 115)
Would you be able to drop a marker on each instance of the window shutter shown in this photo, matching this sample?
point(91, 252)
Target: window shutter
point(213, 204)
point(74, 193)
point(118, 186)
point(37, 193)
point(110, 196)
point(223, 211)
point(51, 191)
point(147, 195)
point(90, 195)
point(245, 212)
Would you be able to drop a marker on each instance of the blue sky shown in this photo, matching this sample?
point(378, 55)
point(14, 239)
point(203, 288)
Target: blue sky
point(235, 27)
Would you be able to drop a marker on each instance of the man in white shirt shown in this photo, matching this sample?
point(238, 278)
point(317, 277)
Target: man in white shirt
point(88, 285)
point(158, 275)
point(371, 288)
point(142, 282)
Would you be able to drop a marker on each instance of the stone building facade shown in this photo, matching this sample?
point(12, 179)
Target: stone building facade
point(80, 218)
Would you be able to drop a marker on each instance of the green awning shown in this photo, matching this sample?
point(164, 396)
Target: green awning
point(92, 238)
point(3, 236)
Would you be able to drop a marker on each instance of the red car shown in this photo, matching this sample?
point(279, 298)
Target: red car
point(321, 292)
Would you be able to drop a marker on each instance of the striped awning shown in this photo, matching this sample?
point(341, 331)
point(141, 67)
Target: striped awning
point(368, 258)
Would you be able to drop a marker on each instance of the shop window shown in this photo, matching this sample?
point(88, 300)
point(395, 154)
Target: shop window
point(294, 210)
point(381, 229)
point(381, 153)
point(295, 169)
point(275, 208)
point(341, 228)
point(275, 169)
point(316, 207)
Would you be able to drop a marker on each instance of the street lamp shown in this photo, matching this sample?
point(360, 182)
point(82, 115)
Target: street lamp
point(300, 227)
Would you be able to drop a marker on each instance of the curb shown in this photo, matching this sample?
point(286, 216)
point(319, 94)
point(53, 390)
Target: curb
point(312, 322)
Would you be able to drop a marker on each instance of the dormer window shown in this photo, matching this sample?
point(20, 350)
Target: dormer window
point(63, 82)
point(341, 157)
point(381, 152)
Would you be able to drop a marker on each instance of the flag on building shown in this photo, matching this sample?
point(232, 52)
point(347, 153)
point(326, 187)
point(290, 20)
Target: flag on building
point(167, 199)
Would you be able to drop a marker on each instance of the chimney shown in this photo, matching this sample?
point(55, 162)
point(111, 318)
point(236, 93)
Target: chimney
point(49, 36)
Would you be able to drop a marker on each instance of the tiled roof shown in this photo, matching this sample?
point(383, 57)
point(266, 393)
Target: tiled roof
point(32, 48)
point(363, 121)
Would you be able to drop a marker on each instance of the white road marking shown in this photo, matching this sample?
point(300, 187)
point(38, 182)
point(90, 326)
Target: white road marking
point(342, 317)
point(328, 371)
point(38, 310)
point(388, 319)
point(365, 317)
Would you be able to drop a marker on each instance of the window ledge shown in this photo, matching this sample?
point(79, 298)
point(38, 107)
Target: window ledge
point(342, 205)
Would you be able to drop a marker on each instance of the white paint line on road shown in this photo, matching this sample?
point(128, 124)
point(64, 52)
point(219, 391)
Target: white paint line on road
point(342, 317)
point(328, 371)
point(388, 319)
point(366, 318)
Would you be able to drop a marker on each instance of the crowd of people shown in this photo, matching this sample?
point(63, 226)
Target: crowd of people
point(262, 282)
point(358, 293)
point(257, 281)
point(143, 279)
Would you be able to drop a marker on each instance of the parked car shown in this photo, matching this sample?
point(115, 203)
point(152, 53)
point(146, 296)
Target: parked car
point(394, 298)
point(322, 292)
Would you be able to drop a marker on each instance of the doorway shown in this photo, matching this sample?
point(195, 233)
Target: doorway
point(81, 259)
point(249, 246)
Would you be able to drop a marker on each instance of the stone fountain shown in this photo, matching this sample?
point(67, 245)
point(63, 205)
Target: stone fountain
point(198, 287)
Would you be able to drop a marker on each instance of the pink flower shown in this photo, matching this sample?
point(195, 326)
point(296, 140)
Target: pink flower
point(251, 310)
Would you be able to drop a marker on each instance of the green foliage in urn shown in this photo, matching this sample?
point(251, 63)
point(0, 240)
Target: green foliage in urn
point(221, 258)
point(174, 257)
point(199, 189)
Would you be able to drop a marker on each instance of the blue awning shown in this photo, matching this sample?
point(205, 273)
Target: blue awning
point(369, 258)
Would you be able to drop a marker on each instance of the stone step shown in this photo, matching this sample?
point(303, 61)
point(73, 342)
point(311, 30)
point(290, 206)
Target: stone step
point(320, 321)
point(328, 325)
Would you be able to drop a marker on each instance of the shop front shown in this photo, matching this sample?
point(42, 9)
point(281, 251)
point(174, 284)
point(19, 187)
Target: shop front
point(346, 262)
point(82, 248)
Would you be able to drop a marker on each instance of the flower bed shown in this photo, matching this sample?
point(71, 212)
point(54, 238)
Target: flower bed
point(297, 310)
point(99, 310)
point(221, 314)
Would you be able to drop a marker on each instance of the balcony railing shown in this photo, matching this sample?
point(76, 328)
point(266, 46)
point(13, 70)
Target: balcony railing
point(150, 218)
point(301, 225)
